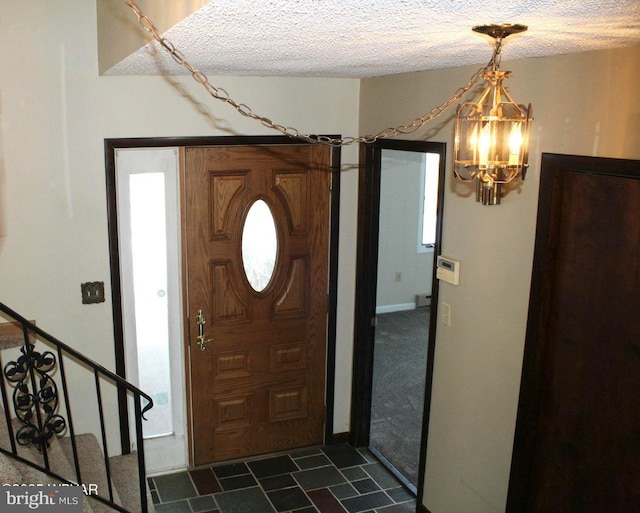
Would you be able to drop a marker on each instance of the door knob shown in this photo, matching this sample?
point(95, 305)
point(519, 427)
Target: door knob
point(201, 321)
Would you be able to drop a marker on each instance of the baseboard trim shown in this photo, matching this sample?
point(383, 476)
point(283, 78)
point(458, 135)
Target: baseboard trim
point(395, 308)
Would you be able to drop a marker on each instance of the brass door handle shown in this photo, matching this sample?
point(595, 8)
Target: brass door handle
point(201, 321)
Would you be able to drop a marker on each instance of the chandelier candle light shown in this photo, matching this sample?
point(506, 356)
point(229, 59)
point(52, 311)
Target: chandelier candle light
point(492, 133)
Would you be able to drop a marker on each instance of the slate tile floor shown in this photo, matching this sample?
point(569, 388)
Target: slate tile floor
point(332, 479)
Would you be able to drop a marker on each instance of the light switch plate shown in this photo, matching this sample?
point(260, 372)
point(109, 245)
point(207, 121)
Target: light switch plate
point(92, 292)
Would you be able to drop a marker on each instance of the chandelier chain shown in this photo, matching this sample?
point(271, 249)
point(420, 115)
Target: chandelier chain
point(221, 94)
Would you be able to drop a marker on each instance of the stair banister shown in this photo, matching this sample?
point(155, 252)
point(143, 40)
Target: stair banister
point(44, 430)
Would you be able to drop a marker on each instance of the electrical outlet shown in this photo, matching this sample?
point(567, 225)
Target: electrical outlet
point(445, 314)
point(398, 276)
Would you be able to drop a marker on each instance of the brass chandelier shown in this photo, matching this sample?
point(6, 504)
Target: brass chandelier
point(492, 133)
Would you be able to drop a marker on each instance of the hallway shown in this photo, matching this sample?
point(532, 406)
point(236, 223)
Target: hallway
point(332, 479)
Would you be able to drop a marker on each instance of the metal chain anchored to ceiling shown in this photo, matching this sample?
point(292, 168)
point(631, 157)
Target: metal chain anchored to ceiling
point(220, 94)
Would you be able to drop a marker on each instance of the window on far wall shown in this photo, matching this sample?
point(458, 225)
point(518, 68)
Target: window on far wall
point(428, 202)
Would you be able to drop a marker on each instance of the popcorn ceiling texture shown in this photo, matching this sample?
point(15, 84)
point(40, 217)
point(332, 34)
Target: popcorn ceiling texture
point(365, 38)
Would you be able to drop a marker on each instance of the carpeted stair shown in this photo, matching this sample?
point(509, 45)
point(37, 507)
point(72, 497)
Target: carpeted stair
point(13, 471)
point(124, 469)
point(11, 335)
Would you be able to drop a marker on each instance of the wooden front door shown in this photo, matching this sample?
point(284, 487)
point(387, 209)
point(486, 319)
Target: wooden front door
point(577, 444)
point(259, 384)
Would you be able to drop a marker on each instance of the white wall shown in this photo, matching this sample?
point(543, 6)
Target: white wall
point(400, 198)
point(55, 112)
point(583, 104)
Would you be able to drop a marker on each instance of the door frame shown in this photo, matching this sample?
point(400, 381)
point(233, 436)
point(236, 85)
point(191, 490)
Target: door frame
point(110, 148)
point(366, 286)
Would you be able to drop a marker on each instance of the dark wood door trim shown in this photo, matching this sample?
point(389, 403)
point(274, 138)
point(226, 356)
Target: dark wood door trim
point(555, 168)
point(110, 148)
point(366, 285)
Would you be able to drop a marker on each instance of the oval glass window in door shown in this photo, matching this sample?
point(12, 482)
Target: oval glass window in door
point(259, 245)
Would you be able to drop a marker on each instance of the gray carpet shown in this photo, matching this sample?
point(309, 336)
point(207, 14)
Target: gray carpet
point(400, 362)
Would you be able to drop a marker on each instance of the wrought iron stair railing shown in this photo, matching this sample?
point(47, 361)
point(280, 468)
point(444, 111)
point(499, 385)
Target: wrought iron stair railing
point(35, 377)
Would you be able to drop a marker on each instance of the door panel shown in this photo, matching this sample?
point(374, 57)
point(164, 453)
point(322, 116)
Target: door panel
point(576, 447)
point(259, 385)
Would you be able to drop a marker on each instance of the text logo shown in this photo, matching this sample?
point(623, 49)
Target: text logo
point(18, 499)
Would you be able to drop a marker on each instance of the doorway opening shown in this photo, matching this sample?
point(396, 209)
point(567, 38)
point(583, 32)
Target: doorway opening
point(396, 298)
point(122, 279)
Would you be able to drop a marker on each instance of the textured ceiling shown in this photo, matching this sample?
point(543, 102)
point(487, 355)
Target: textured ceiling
point(365, 38)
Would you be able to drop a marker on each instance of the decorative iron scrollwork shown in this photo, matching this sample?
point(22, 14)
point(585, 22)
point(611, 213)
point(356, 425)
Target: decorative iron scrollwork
point(35, 398)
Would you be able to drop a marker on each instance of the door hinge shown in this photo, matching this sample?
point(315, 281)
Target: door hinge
point(374, 321)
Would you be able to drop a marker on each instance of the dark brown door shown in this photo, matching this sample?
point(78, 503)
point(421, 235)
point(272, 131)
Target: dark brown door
point(259, 384)
point(577, 445)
